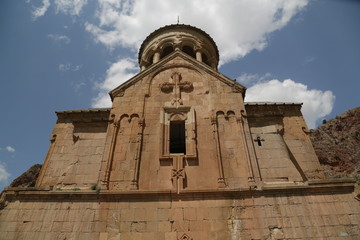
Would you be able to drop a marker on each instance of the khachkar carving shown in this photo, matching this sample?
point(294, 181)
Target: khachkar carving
point(178, 86)
point(178, 173)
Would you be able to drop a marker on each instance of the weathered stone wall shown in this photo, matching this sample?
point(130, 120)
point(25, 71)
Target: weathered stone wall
point(283, 148)
point(137, 147)
point(76, 150)
point(309, 213)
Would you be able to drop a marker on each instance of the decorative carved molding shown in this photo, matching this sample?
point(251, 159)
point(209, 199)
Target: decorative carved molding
point(53, 138)
point(177, 116)
point(166, 87)
point(185, 237)
point(110, 157)
point(221, 179)
point(75, 138)
point(119, 92)
point(112, 118)
point(137, 158)
point(178, 173)
point(186, 114)
point(243, 114)
point(307, 132)
point(236, 89)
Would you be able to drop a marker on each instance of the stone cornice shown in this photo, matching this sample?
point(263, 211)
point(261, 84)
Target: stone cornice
point(333, 186)
point(84, 115)
point(272, 109)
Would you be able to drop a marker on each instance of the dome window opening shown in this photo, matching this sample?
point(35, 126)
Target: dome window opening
point(151, 60)
point(205, 59)
point(166, 51)
point(189, 51)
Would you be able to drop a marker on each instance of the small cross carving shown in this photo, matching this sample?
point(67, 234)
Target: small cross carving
point(175, 83)
point(259, 140)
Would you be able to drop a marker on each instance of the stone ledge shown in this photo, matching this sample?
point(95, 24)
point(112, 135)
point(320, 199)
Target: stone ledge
point(322, 187)
point(332, 181)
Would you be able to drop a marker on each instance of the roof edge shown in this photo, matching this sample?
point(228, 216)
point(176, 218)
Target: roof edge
point(87, 110)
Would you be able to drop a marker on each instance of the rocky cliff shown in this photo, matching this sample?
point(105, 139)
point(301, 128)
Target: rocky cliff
point(337, 144)
point(28, 178)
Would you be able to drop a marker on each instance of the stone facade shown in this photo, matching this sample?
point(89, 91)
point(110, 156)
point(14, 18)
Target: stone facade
point(179, 155)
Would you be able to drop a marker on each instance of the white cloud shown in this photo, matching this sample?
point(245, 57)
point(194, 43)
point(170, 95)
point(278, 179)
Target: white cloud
point(317, 103)
point(4, 175)
point(309, 59)
point(64, 67)
point(242, 25)
point(9, 149)
point(76, 68)
point(78, 86)
point(248, 78)
point(40, 11)
point(71, 7)
point(117, 74)
point(59, 38)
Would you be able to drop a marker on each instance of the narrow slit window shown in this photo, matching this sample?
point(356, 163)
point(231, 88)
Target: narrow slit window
point(177, 137)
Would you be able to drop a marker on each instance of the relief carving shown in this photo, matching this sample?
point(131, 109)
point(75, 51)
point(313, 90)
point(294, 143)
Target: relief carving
point(119, 92)
point(176, 83)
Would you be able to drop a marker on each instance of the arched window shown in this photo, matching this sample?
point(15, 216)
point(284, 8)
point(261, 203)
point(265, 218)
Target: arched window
point(166, 51)
point(205, 59)
point(177, 137)
point(151, 58)
point(189, 51)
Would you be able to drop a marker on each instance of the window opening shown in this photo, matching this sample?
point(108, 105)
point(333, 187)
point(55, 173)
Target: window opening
point(189, 51)
point(177, 137)
point(166, 51)
point(205, 59)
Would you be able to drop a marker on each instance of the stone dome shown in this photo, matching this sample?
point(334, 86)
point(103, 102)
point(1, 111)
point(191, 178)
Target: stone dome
point(178, 37)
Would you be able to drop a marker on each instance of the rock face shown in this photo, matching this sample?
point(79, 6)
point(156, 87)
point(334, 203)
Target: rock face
point(28, 178)
point(337, 144)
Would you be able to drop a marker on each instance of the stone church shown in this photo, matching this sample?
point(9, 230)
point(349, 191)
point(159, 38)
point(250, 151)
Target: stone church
point(180, 156)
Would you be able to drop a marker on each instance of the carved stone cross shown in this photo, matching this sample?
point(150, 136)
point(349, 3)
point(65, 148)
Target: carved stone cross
point(175, 83)
point(259, 140)
point(178, 174)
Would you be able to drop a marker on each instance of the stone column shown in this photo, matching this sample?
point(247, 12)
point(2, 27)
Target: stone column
point(156, 57)
point(198, 55)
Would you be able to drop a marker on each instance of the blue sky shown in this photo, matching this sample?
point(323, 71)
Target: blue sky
point(60, 55)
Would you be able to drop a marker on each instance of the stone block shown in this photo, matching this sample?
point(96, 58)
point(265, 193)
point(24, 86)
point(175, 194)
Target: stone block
point(164, 226)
